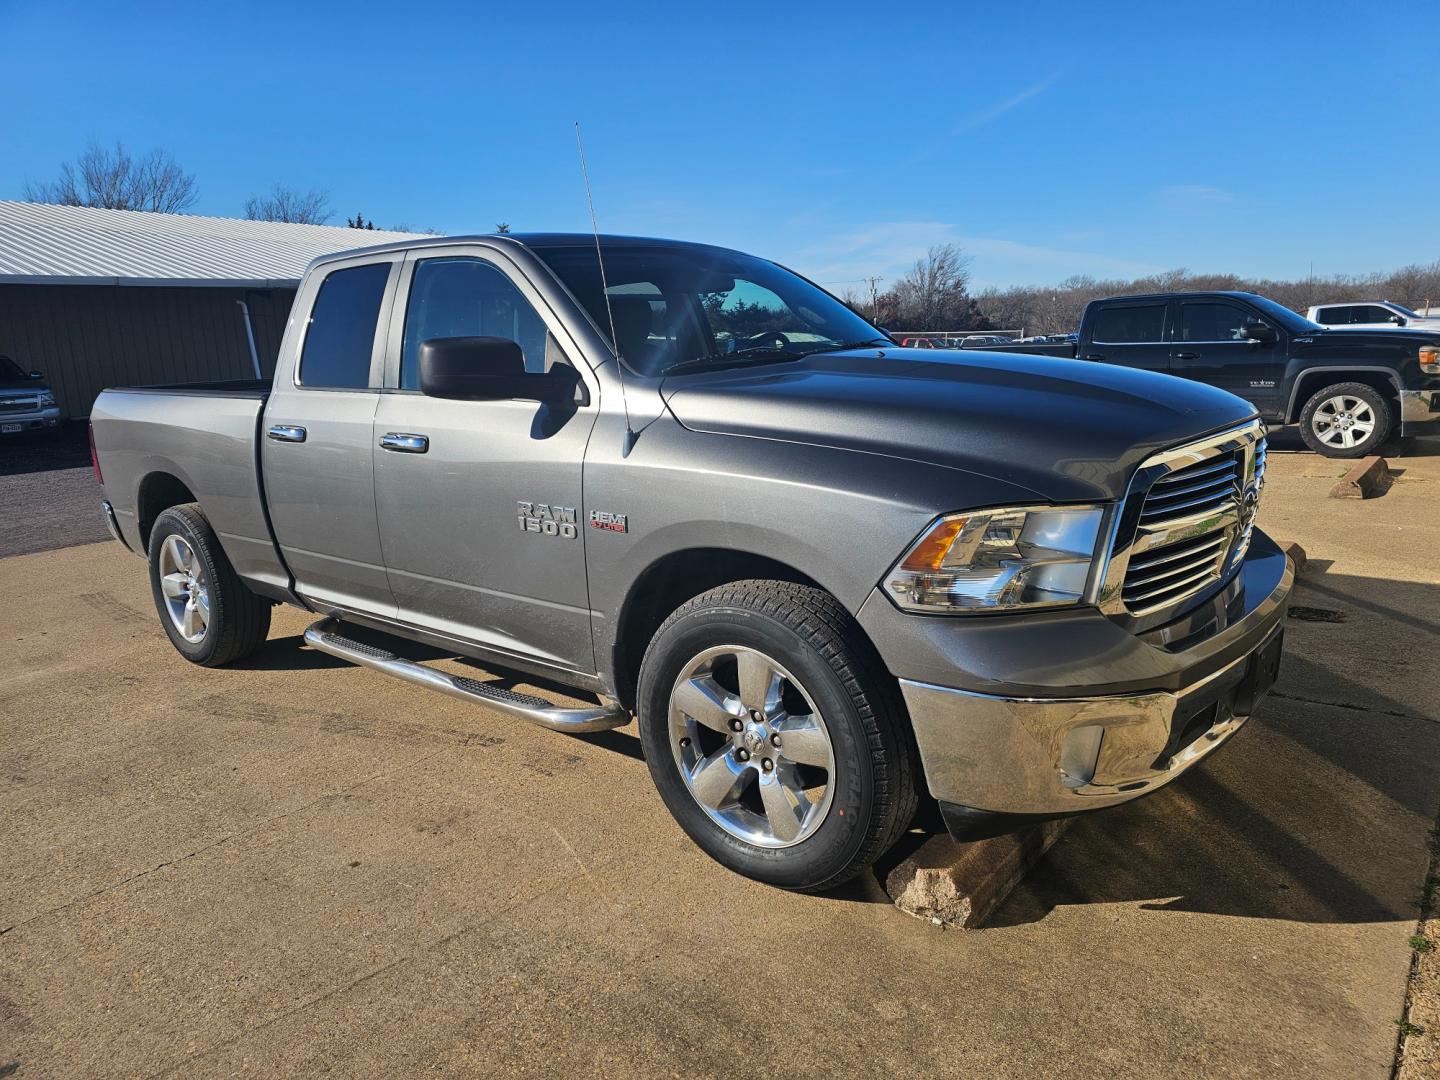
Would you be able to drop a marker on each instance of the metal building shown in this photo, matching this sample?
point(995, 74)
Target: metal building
point(95, 298)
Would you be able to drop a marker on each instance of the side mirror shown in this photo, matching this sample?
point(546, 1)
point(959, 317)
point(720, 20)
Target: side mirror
point(484, 369)
point(1398, 320)
point(1262, 333)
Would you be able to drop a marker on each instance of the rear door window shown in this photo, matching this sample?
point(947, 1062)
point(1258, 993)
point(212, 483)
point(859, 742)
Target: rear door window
point(1129, 324)
point(340, 336)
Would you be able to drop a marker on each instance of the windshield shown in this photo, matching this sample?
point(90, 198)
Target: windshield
point(1284, 316)
point(10, 371)
point(1402, 309)
point(696, 308)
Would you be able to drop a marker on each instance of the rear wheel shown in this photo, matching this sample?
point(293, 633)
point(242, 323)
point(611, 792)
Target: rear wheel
point(1347, 420)
point(205, 609)
point(774, 736)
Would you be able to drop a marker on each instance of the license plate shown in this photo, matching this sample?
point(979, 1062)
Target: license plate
point(6, 429)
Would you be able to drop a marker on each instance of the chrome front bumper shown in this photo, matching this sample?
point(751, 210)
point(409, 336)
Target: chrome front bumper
point(1419, 412)
point(1045, 757)
point(15, 423)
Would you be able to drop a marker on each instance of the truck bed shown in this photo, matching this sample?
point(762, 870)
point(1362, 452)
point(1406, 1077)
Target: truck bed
point(204, 437)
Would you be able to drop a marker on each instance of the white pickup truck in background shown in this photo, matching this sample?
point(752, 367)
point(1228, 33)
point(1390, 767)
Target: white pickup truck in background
point(1372, 314)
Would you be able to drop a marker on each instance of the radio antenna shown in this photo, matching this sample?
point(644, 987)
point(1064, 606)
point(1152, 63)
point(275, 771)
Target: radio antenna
point(605, 291)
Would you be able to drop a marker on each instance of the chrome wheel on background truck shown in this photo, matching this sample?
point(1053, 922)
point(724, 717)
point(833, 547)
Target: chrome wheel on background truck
point(1347, 420)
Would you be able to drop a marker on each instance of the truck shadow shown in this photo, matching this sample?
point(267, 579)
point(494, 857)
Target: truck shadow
point(1320, 809)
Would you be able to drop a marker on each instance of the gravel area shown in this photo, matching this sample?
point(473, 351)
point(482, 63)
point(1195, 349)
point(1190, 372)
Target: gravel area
point(48, 495)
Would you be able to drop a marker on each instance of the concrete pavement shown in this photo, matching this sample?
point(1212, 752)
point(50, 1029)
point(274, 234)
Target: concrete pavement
point(294, 866)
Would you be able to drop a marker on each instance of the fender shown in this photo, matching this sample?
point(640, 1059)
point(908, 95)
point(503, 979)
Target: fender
point(1291, 415)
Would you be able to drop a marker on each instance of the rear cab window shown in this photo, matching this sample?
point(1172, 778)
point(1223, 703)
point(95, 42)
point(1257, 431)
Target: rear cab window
point(1129, 324)
point(340, 334)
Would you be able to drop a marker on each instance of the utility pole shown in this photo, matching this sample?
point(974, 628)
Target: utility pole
point(874, 295)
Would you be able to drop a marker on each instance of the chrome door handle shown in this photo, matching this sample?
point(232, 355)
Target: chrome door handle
point(1094, 356)
point(1186, 355)
point(403, 443)
point(287, 433)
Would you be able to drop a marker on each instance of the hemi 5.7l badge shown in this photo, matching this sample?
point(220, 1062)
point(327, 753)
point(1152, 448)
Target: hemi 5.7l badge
point(546, 519)
point(603, 519)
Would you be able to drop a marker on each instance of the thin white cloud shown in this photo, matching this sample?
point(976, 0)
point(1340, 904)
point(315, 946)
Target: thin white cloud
point(889, 249)
point(1190, 196)
point(999, 109)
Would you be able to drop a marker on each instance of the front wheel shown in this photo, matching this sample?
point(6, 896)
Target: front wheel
point(774, 736)
point(1347, 420)
point(209, 615)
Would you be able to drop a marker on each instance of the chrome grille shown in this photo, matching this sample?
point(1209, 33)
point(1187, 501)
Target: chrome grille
point(1186, 523)
point(25, 404)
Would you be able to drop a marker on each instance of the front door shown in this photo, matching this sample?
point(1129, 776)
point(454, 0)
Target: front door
point(317, 438)
point(479, 502)
point(1213, 347)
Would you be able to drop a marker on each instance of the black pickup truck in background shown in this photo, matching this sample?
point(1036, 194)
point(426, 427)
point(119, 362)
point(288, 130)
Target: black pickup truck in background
point(1349, 390)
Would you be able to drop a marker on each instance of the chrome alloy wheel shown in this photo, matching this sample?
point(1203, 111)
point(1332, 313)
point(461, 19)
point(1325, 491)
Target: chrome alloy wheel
point(751, 746)
point(1343, 421)
point(187, 594)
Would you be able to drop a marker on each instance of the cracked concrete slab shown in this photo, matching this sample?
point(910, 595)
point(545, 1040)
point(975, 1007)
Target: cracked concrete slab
point(296, 867)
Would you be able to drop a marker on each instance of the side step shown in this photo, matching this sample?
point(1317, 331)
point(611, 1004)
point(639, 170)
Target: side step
point(324, 636)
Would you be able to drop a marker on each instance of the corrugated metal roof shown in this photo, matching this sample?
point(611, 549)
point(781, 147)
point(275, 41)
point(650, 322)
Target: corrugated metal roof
point(46, 245)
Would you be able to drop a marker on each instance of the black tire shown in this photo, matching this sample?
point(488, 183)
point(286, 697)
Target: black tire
point(875, 760)
point(1376, 402)
point(238, 621)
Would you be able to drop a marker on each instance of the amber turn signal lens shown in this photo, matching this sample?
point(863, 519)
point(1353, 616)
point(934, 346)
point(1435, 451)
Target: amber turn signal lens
point(930, 552)
point(1430, 359)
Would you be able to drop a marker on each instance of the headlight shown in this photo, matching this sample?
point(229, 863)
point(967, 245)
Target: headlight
point(999, 560)
point(46, 399)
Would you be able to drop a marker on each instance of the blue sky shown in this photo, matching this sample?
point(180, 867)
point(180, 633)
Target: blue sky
point(842, 139)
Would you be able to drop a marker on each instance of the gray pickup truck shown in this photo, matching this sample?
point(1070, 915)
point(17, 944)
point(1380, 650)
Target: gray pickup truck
point(830, 576)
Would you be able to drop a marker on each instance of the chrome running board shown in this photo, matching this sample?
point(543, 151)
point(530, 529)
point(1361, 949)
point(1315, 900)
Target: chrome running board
point(324, 636)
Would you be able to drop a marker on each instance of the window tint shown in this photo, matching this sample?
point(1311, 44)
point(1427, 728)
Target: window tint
point(1215, 322)
point(466, 297)
point(1374, 313)
point(341, 332)
point(1135, 323)
point(1340, 316)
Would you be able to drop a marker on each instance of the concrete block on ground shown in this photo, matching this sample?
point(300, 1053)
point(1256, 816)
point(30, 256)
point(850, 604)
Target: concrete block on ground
point(1296, 553)
point(961, 884)
point(1369, 477)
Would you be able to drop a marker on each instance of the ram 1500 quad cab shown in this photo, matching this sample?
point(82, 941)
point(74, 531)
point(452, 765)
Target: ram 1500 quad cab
point(829, 576)
point(1348, 388)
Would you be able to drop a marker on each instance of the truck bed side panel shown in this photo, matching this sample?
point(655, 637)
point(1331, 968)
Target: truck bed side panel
point(208, 442)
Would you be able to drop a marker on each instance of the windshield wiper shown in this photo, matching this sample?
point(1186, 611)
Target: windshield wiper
point(757, 354)
point(842, 346)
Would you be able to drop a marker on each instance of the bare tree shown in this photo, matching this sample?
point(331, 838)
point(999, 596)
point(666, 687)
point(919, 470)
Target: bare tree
point(933, 292)
point(110, 177)
point(502, 227)
point(287, 204)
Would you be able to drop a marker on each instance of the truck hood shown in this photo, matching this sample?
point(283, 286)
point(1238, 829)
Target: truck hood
point(1068, 430)
point(1401, 338)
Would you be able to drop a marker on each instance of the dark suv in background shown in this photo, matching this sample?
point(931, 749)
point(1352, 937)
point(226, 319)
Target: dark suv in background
point(26, 403)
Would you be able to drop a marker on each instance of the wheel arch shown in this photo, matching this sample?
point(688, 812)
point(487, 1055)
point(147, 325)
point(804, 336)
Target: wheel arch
point(667, 583)
point(158, 491)
point(1384, 380)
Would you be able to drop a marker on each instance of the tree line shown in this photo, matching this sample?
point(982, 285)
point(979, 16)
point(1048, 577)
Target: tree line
point(112, 178)
point(934, 294)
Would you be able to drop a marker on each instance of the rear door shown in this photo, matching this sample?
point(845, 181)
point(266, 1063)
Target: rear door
point(1212, 346)
point(1130, 333)
point(481, 514)
point(316, 450)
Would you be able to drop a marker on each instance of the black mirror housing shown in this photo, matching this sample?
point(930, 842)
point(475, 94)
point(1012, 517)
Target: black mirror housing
point(482, 369)
point(37, 375)
point(1262, 333)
